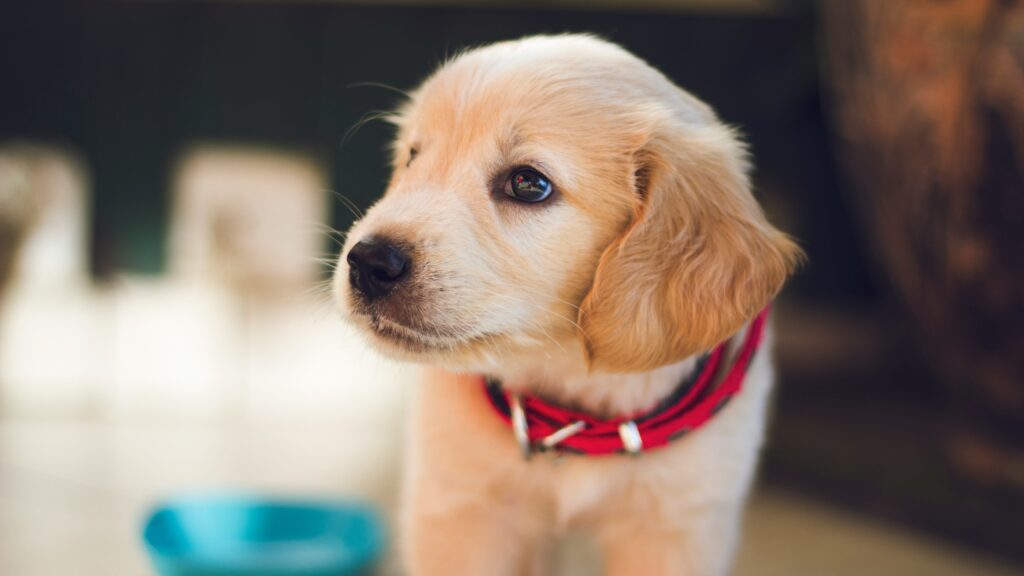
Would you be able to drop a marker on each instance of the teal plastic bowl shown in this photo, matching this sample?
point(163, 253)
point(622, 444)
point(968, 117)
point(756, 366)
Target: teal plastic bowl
point(217, 535)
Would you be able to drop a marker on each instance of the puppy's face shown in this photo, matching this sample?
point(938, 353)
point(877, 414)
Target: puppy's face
point(518, 218)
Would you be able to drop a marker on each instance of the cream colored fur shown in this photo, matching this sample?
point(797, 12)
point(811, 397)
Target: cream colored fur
point(651, 250)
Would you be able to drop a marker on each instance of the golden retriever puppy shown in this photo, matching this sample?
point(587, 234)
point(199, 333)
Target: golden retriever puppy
point(566, 237)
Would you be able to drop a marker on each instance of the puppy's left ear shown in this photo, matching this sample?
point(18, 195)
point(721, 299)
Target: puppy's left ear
point(697, 261)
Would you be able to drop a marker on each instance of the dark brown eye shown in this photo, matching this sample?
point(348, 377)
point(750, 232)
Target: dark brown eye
point(412, 156)
point(528, 185)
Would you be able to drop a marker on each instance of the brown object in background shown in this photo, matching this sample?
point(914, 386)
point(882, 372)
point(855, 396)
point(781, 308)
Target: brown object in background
point(929, 103)
point(44, 208)
point(19, 208)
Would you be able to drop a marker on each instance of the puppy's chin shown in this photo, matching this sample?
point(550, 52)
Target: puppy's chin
point(422, 345)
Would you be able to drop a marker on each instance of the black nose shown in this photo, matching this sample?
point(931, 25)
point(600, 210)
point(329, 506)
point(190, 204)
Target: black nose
point(376, 266)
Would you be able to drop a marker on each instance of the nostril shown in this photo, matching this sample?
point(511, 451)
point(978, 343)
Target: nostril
point(392, 265)
point(376, 265)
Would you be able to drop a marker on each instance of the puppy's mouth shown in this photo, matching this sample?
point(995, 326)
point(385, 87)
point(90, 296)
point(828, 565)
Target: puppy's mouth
point(418, 339)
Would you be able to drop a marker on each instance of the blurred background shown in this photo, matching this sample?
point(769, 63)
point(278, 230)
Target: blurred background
point(173, 174)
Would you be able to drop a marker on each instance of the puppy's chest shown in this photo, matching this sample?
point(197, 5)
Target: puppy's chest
point(573, 488)
point(579, 486)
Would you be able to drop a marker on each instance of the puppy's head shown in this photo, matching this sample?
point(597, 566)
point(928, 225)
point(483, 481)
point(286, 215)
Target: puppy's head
point(557, 195)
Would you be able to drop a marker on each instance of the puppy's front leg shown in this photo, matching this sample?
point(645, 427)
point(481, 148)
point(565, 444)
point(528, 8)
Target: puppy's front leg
point(468, 508)
point(702, 544)
point(467, 542)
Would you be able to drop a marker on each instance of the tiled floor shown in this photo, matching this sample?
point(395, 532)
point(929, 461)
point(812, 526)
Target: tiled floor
point(73, 495)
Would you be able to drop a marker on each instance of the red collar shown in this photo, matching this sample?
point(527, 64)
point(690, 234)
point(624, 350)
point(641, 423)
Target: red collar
point(539, 425)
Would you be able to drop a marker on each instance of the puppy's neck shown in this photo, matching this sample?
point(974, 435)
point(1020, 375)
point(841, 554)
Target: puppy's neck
point(566, 382)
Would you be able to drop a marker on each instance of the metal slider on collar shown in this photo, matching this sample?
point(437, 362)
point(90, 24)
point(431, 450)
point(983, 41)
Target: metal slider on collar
point(631, 440)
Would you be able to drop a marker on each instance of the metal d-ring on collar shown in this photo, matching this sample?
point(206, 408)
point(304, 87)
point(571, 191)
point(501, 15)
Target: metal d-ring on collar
point(520, 428)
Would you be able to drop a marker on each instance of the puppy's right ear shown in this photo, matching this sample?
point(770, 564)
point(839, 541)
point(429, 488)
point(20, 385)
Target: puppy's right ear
point(697, 261)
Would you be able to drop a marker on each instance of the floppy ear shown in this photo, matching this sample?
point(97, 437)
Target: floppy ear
point(697, 261)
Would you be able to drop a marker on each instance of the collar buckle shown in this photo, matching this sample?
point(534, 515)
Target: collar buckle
point(555, 438)
point(521, 430)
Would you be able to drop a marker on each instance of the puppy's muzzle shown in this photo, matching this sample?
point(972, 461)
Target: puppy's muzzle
point(377, 266)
